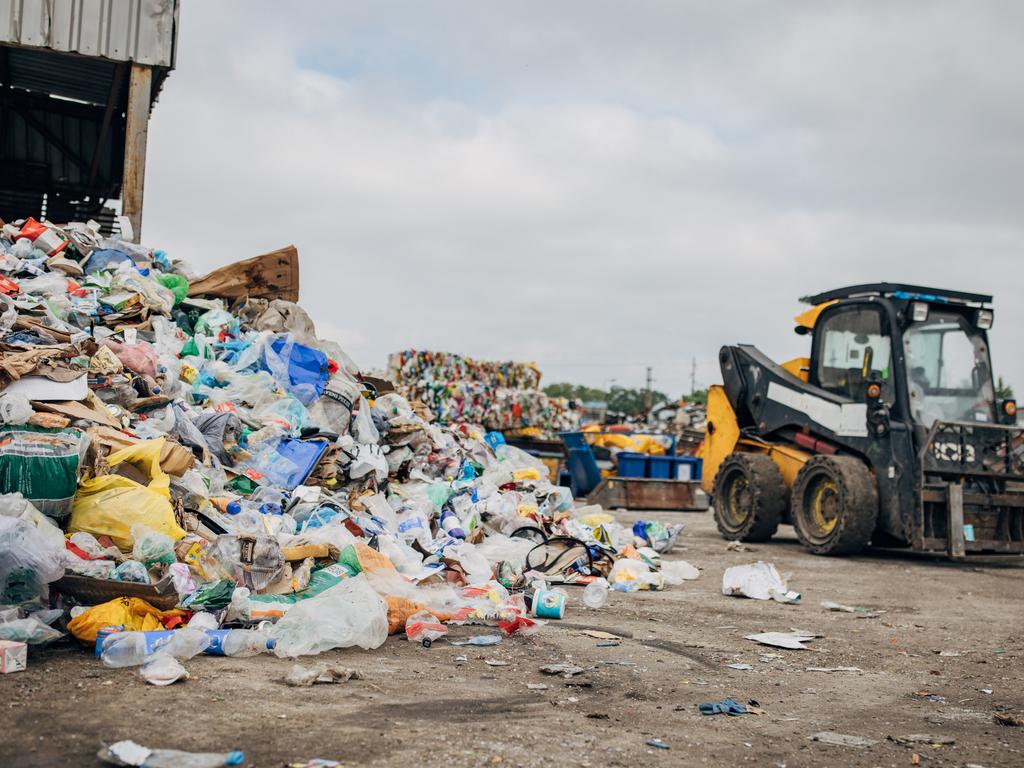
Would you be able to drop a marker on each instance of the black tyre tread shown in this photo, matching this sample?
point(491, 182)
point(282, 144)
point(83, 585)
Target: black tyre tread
point(859, 492)
point(770, 497)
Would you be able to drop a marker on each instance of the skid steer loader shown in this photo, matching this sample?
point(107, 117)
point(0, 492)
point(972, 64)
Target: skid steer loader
point(889, 433)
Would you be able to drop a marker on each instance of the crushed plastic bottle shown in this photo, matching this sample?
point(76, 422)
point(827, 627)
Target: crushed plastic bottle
point(130, 753)
point(243, 643)
point(124, 649)
point(424, 628)
point(595, 594)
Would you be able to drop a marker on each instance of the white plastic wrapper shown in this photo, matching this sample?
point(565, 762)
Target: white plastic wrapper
point(760, 581)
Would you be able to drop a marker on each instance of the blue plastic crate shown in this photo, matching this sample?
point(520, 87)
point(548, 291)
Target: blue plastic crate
point(661, 467)
point(632, 464)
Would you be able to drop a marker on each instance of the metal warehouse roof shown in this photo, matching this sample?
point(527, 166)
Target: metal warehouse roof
point(142, 31)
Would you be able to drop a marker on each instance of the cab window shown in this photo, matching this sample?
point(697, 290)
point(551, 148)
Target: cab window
point(854, 348)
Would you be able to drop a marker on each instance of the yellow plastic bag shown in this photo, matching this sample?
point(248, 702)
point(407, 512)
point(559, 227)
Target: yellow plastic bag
point(133, 613)
point(110, 505)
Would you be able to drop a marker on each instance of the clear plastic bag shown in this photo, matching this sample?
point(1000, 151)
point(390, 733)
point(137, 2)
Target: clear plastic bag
point(152, 548)
point(30, 558)
point(363, 429)
point(131, 571)
point(348, 614)
point(30, 630)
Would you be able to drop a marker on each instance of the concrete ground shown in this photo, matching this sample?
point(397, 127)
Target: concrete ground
point(943, 658)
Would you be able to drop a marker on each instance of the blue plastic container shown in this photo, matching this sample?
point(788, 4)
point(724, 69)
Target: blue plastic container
point(688, 468)
point(632, 464)
point(661, 467)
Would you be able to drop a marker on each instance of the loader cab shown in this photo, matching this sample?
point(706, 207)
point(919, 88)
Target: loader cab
point(926, 349)
point(853, 347)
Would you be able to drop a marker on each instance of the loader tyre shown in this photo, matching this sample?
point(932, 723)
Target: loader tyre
point(749, 497)
point(834, 505)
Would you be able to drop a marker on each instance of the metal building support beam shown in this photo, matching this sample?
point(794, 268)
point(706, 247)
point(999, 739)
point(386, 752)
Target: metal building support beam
point(113, 101)
point(133, 183)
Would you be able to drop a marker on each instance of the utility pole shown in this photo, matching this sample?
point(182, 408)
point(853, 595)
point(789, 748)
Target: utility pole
point(649, 394)
point(693, 375)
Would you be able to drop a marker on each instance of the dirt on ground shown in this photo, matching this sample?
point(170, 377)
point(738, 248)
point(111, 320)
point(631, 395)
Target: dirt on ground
point(942, 657)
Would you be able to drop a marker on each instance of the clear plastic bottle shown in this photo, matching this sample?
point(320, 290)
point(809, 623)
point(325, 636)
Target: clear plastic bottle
point(172, 758)
point(184, 643)
point(241, 643)
point(124, 649)
point(595, 594)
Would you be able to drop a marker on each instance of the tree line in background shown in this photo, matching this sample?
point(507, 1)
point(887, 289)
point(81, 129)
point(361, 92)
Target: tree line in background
point(618, 399)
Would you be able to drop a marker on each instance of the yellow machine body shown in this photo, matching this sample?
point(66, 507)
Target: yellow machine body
point(722, 437)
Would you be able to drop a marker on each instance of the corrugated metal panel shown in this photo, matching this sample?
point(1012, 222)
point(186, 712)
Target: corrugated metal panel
point(60, 74)
point(142, 31)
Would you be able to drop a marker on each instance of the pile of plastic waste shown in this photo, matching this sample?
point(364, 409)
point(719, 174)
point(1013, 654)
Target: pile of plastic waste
point(503, 396)
point(185, 474)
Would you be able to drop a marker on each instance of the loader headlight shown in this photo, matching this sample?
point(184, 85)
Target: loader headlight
point(984, 319)
point(919, 311)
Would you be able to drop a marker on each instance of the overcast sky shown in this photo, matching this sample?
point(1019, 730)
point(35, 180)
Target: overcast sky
point(597, 186)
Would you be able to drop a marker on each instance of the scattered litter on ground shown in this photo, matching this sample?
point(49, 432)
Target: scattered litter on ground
point(861, 612)
point(162, 669)
point(300, 676)
point(1007, 718)
point(739, 666)
point(723, 707)
point(657, 744)
point(480, 640)
point(495, 663)
point(759, 581)
point(833, 669)
point(130, 753)
point(917, 739)
point(792, 640)
point(565, 670)
point(842, 739)
point(599, 635)
point(737, 546)
point(536, 686)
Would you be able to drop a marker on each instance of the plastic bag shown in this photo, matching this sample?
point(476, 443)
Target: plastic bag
point(301, 370)
point(630, 575)
point(151, 547)
point(133, 613)
point(132, 571)
point(363, 429)
point(9, 313)
point(30, 558)
point(759, 581)
point(678, 571)
point(474, 564)
point(14, 409)
point(347, 614)
point(141, 357)
point(110, 505)
point(42, 464)
point(30, 630)
point(176, 284)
